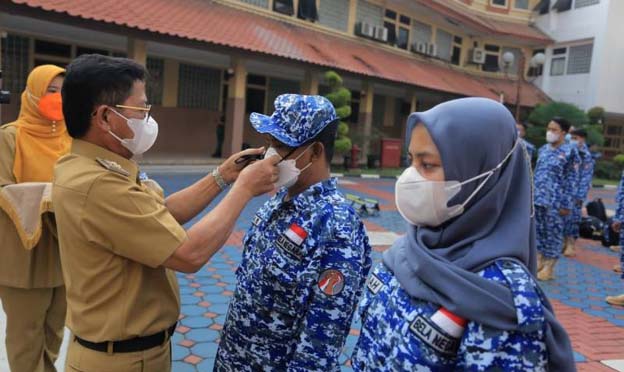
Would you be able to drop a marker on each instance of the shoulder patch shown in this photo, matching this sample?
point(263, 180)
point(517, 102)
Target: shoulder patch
point(331, 282)
point(112, 166)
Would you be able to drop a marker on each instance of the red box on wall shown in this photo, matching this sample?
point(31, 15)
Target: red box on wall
point(391, 152)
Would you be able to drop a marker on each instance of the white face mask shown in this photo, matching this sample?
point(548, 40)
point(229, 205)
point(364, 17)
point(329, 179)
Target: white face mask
point(552, 137)
point(288, 171)
point(422, 202)
point(145, 134)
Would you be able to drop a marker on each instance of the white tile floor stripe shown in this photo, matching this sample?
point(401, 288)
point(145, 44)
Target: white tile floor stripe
point(618, 365)
point(382, 238)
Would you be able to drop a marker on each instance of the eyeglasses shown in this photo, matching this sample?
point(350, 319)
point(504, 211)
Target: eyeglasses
point(147, 110)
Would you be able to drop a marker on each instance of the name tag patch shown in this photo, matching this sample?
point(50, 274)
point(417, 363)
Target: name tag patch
point(374, 284)
point(289, 247)
point(428, 333)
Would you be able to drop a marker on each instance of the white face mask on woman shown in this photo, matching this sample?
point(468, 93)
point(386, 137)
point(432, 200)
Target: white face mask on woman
point(422, 202)
point(145, 134)
point(288, 171)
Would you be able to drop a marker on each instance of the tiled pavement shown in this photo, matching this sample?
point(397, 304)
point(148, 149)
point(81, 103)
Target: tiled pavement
point(596, 328)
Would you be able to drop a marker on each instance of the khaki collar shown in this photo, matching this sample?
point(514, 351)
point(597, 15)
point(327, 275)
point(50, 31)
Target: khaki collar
point(98, 153)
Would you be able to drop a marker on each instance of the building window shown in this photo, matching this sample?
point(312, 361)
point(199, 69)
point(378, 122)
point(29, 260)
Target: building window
point(284, 7)
point(307, 10)
point(558, 62)
point(260, 3)
point(154, 86)
point(457, 48)
point(444, 42)
point(562, 5)
point(256, 97)
point(579, 59)
point(502, 3)
point(584, 3)
point(48, 52)
point(355, 107)
point(15, 63)
point(199, 87)
point(86, 50)
point(521, 4)
point(492, 53)
point(398, 28)
point(421, 32)
point(543, 7)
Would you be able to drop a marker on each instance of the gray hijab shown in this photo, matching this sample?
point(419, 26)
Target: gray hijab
point(440, 265)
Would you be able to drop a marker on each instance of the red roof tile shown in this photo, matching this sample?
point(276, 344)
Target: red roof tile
point(496, 27)
point(209, 22)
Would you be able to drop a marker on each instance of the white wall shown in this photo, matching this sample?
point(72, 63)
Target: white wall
point(610, 69)
point(600, 24)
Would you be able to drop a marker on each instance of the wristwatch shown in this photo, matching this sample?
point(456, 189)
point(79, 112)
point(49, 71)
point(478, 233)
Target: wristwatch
point(219, 179)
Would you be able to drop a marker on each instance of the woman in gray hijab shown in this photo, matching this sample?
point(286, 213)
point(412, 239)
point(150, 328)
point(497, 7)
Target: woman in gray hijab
point(458, 291)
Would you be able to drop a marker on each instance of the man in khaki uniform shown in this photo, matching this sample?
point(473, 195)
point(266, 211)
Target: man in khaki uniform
point(119, 239)
point(31, 281)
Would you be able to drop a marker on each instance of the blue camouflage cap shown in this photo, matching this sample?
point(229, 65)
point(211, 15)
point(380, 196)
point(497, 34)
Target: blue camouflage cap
point(297, 118)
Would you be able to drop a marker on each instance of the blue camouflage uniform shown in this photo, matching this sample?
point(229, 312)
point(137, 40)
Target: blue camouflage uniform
point(585, 176)
point(399, 333)
point(530, 148)
point(619, 217)
point(555, 177)
point(304, 266)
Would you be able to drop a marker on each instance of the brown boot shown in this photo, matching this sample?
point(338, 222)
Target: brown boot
point(540, 262)
point(616, 248)
point(617, 268)
point(568, 249)
point(548, 271)
point(616, 300)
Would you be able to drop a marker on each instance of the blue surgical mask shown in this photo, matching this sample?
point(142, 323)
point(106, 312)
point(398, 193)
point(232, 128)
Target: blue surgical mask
point(568, 137)
point(574, 143)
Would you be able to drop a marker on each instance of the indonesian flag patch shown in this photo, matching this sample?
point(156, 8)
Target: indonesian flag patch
point(331, 282)
point(290, 241)
point(296, 234)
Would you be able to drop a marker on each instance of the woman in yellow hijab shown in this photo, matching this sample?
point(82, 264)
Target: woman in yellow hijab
point(41, 136)
point(31, 282)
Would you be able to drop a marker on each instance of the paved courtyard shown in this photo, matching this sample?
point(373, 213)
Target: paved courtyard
point(596, 328)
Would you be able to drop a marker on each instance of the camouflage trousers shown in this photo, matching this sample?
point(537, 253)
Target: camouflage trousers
point(572, 223)
point(549, 226)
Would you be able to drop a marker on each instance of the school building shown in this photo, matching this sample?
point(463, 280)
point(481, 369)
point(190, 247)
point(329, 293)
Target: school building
point(209, 58)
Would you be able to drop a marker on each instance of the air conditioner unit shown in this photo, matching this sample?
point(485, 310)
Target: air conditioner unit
point(432, 49)
point(477, 56)
point(381, 33)
point(420, 47)
point(365, 30)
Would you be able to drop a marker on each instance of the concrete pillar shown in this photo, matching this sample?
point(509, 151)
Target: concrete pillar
point(352, 16)
point(235, 109)
point(137, 50)
point(310, 83)
point(170, 83)
point(389, 112)
point(365, 117)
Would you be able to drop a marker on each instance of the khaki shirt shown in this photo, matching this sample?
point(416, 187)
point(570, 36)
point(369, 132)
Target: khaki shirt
point(114, 234)
point(21, 268)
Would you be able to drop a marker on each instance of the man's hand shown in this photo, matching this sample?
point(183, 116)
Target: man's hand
point(616, 225)
point(259, 177)
point(230, 169)
point(564, 212)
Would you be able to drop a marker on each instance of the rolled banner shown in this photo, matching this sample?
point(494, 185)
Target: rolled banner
point(25, 204)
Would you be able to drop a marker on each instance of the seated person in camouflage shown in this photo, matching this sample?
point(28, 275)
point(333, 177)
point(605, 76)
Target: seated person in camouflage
point(306, 255)
point(458, 292)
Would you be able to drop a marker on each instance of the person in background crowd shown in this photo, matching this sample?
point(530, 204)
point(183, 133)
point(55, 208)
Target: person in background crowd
point(581, 189)
point(555, 177)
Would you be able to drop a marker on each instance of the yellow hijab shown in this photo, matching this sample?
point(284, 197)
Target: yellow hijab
point(39, 141)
